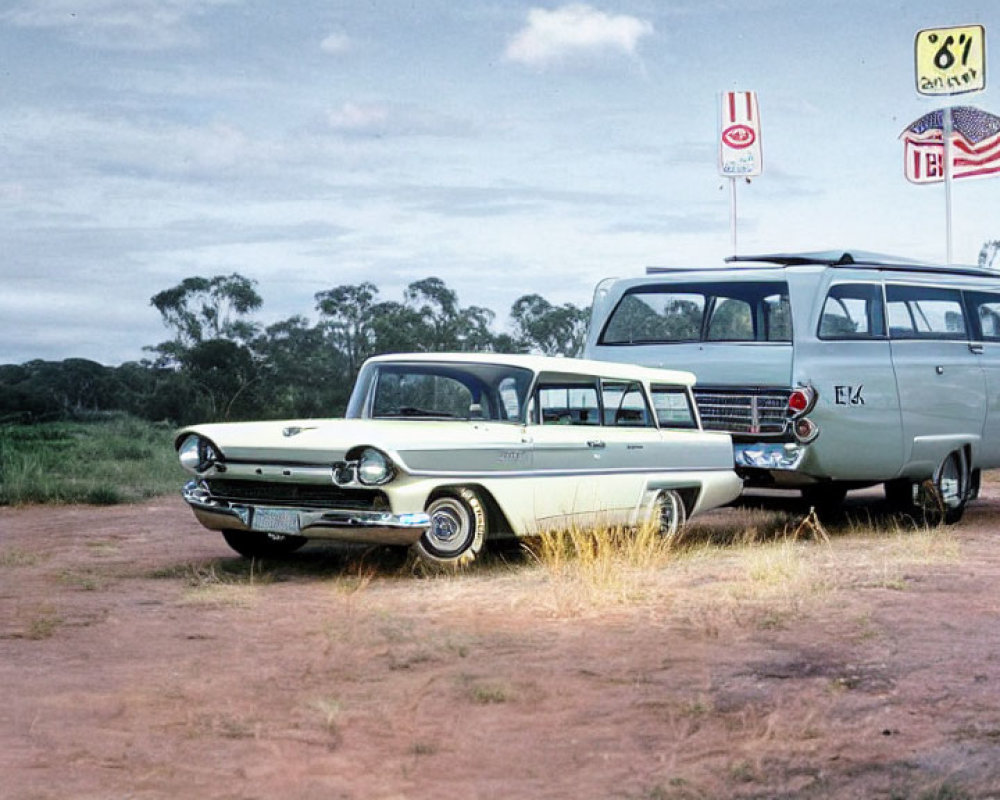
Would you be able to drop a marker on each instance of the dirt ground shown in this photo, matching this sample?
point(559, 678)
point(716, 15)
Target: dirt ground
point(139, 658)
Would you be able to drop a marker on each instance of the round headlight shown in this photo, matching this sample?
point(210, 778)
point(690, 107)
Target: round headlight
point(373, 468)
point(196, 454)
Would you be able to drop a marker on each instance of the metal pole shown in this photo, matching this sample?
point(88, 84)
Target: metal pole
point(947, 180)
point(732, 213)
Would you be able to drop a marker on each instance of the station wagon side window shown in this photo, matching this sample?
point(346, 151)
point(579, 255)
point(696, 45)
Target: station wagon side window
point(672, 405)
point(852, 311)
point(925, 312)
point(985, 310)
point(568, 404)
point(625, 405)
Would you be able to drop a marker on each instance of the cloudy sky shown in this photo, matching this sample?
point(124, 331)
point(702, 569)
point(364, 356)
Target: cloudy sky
point(506, 147)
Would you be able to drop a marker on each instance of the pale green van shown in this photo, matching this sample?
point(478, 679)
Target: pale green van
point(831, 371)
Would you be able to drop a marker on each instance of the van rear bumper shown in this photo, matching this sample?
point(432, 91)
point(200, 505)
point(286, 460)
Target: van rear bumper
point(771, 456)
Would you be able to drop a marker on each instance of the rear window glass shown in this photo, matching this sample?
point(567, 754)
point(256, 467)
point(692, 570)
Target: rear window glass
point(672, 406)
point(734, 311)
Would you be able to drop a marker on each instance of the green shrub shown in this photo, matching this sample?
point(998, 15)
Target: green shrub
point(113, 459)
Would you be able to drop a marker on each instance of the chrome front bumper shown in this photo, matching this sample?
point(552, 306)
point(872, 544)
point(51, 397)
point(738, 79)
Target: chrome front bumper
point(349, 525)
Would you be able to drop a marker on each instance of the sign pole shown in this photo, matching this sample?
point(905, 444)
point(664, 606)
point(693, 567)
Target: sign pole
point(732, 213)
point(946, 125)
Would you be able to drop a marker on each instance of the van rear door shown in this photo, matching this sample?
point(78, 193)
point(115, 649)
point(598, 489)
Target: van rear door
point(984, 314)
point(941, 383)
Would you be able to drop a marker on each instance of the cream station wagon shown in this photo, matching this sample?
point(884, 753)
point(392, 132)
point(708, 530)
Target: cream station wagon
point(830, 370)
point(444, 451)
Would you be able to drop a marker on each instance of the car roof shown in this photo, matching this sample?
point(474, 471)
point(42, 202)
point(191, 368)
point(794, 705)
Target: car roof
point(840, 258)
point(550, 365)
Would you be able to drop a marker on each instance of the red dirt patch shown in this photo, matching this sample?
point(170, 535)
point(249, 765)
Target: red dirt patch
point(139, 658)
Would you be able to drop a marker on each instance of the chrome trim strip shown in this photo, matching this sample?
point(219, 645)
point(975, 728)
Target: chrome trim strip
point(465, 476)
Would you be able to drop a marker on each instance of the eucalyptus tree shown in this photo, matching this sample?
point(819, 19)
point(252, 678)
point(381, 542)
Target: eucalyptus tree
point(551, 330)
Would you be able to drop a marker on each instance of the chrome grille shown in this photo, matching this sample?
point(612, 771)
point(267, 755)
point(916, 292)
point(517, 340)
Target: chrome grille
point(743, 410)
point(300, 495)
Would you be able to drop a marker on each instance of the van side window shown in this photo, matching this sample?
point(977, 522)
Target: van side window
point(986, 311)
point(625, 405)
point(672, 405)
point(925, 312)
point(852, 311)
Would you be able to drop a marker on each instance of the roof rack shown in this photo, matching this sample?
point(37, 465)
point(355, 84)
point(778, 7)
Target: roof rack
point(830, 258)
point(844, 258)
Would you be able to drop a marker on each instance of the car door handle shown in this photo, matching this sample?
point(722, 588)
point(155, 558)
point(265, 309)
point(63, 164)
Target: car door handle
point(595, 444)
point(977, 349)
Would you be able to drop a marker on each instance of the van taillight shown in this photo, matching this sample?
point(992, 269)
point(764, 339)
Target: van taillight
point(805, 430)
point(801, 401)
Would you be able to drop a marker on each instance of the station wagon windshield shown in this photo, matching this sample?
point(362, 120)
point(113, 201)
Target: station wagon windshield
point(494, 392)
point(706, 311)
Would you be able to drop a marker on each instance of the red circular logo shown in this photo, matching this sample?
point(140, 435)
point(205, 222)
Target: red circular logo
point(738, 136)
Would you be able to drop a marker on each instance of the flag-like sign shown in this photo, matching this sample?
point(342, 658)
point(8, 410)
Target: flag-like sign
point(739, 140)
point(975, 145)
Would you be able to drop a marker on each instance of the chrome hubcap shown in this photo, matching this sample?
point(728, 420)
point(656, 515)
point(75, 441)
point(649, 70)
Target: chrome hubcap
point(449, 526)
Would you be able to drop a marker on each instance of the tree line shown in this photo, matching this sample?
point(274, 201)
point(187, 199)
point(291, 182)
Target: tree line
point(220, 364)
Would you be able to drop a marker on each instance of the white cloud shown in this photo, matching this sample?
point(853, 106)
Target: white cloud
point(336, 44)
point(571, 30)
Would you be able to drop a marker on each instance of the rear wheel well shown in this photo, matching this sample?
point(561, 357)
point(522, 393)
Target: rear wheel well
point(689, 495)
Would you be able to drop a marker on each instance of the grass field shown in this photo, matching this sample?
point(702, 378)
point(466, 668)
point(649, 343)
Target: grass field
point(118, 459)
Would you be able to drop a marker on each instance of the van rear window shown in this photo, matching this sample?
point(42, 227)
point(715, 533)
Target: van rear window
point(735, 311)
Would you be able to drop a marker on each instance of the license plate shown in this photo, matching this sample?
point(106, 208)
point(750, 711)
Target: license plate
point(275, 520)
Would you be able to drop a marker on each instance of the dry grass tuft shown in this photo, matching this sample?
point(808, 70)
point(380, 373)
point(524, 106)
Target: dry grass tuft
point(744, 565)
point(218, 583)
point(607, 566)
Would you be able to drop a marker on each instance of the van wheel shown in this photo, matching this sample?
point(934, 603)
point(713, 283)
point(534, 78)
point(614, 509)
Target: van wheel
point(457, 530)
point(943, 497)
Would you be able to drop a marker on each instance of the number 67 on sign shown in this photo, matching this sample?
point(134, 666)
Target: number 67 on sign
point(951, 60)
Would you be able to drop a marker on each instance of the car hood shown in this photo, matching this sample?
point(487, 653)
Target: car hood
point(327, 440)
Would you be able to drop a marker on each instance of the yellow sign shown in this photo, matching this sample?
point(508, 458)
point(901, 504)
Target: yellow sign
point(951, 60)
